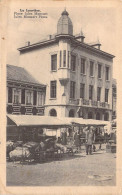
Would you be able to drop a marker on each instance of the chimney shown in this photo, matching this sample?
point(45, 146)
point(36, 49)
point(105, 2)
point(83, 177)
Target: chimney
point(80, 36)
point(49, 37)
point(27, 43)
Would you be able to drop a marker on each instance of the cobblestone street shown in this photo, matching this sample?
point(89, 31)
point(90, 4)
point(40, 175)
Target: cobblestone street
point(98, 169)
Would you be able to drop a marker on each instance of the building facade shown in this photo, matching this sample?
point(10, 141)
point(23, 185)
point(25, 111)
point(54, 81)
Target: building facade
point(114, 98)
point(25, 95)
point(78, 75)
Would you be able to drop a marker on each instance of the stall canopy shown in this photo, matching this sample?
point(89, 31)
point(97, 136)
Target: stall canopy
point(51, 122)
point(34, 120)
point(86, 122)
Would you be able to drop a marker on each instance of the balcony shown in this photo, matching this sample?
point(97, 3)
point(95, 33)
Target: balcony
point(73, 102)
point(93, 103)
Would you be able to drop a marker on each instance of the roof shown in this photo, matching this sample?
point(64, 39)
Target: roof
point(65, 36)
point(34, 120)
point(65, 13)
point(19, 74)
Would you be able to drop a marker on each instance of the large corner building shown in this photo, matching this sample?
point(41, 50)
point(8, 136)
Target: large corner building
point(78, 75)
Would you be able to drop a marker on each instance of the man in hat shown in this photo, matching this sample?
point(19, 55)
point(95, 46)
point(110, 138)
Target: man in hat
point(89, 140)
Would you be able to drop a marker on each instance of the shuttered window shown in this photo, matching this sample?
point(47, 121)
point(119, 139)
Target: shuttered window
point(53, 89)
point(99, 70)
point(82, 66)
point(64, 58)
point(106, 95)
point(54, 62)
point(23, 96)
point(82, 90)
point(90, 92)
point(91, 68)
point(34, 97)
point(73, 63)
point(9, 95)
point(98, 93)
point(72, 89)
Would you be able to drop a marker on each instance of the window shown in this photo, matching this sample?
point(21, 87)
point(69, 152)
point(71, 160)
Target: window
point(40, 98)
point(72, 89)
point(106, 116)
point(82, 66)
point(90, 115)
point(98, 93)
point(34, 97)
point(23, 96)
point(82, 90)
point(73, 62)
point(99, 70)
point(90, 92)
point(107, 73)
point(54, 62)
point(53, 112)
point(60, 58)
point(29, 97)
point(16, 96)
point(106, 95)
point(9, 95)
point(71, 113)
point(98, 116)
point(68, 58)
point(64, 58)
point(91, 68)
point(53, 89)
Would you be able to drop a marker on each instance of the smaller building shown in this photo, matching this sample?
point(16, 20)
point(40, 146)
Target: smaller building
point(24, 94)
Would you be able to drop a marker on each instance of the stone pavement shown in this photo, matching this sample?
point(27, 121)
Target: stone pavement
point(98, 169)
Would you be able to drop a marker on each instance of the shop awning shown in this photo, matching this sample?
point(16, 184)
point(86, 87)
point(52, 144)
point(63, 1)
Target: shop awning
point(86, 122)
point(32, 120)
point(51, 122)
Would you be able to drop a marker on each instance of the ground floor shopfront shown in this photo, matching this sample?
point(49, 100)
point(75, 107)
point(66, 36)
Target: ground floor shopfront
point(78, 111)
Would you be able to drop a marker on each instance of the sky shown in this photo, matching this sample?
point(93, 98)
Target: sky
point(96, 23)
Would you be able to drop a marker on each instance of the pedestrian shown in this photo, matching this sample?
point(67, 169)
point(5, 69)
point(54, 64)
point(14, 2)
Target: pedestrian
point(89, 141)
point(77, 140)
point(64, 137)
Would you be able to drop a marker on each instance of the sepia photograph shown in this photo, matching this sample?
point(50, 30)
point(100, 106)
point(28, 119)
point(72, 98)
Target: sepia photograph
point(61, 96)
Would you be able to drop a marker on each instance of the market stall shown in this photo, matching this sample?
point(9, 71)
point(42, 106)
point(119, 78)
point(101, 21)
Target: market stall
point(53, 134)
point(83, 125)
point(31, 130)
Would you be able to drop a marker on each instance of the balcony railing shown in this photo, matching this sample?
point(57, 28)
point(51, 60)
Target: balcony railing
point(93, 103)
point(73, 101)
point(85, 102)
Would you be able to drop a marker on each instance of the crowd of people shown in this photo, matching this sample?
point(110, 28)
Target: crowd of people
point(75, 136)
point(81, 136)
